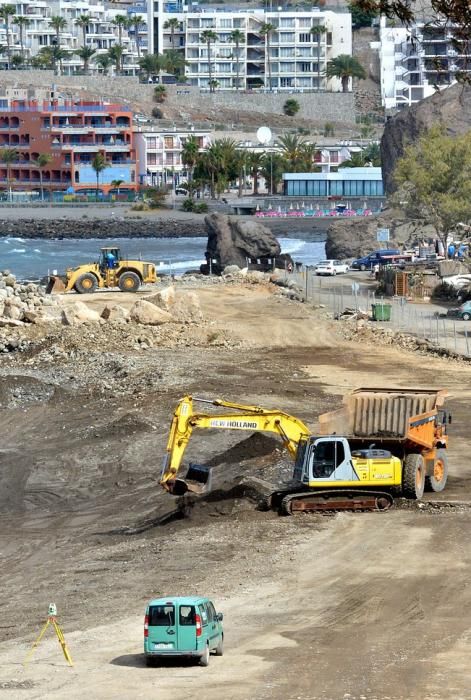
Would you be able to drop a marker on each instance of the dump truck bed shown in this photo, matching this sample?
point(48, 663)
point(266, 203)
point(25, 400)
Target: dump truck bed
point(387, 414)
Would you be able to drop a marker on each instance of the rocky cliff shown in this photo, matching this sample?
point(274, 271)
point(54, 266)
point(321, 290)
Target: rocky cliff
point(450, 107)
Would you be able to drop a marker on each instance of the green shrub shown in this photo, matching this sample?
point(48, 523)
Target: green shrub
point(200, 208)
point(157, 113)
point(188, 204)
point(291, 107)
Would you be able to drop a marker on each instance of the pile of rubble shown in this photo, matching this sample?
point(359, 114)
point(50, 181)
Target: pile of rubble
point(21, 303)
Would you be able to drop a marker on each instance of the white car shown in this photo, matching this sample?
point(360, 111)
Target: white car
point(331, 267)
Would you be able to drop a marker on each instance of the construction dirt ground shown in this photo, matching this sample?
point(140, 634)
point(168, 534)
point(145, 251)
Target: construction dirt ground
point(355, 606)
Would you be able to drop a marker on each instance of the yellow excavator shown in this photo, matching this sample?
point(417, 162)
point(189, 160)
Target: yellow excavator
point(381, 443)
point(111, 270)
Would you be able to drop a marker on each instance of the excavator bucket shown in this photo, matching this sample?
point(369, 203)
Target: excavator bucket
point(196, 480)
point(55, 285)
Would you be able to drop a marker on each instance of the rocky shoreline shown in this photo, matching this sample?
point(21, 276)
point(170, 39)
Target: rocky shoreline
point(136, 227)
point(101, 228)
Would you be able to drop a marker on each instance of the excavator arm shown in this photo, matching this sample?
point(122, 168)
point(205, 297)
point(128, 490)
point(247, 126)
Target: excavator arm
point(238, 417)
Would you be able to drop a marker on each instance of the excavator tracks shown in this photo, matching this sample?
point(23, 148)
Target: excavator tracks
point(335, 500)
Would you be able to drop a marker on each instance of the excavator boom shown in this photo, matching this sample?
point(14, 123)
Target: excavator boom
point(238, 417)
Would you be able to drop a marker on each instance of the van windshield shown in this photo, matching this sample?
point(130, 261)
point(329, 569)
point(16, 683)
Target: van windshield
point(161, 615)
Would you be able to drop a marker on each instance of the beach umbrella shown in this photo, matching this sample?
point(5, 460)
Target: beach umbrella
point(291, 206)
point(297, 206)
point(279, 208)
point(303, 206)
point(269, 207)
point(258, 208)
point(318, 207)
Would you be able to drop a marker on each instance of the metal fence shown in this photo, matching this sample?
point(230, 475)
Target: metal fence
point(425, 321)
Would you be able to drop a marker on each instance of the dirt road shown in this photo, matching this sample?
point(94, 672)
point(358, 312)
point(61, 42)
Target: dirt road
point(356, 606)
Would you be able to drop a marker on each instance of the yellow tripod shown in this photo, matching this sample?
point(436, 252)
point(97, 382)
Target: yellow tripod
point(51, 620)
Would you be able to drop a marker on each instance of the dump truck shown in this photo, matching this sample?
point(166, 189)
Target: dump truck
point(382, 443)
point(111, 270)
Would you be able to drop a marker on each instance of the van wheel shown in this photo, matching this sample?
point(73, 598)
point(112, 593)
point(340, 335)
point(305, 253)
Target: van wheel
point(150, 662)
point(204, 660)
point(219, 651)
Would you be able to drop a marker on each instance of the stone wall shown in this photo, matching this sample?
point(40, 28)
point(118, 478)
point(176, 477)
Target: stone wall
point(330, 106)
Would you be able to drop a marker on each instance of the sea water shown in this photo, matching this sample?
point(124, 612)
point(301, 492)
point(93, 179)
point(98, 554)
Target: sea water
point(34, 258)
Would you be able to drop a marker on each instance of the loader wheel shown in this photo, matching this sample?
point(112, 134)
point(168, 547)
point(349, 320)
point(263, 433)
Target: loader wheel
point(437, 481)
point(413, 477)
point(86, 284)
point(129, 282)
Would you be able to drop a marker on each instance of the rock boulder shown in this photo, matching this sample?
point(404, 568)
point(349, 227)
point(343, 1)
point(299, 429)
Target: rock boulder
point(165, 299)
point(114, 313)
point(450, 107)
point(148, 314)
point(231, 241)
point(78, 312)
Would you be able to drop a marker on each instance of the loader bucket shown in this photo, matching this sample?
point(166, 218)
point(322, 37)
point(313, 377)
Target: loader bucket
point(197, 480)
point(55, 285)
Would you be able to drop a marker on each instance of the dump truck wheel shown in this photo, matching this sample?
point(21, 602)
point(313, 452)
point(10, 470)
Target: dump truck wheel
point(86, 284)
point(129, 282)
point(413, 476)
point(437, 481)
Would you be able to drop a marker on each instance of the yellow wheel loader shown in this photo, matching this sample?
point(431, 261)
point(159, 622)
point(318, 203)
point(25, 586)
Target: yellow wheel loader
point(383, 442)
point(110, 271)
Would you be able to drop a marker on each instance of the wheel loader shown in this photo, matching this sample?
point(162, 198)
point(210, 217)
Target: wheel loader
point(111, 270)
point(382, 443)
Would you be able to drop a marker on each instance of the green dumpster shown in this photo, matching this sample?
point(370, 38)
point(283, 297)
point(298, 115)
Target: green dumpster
point(381, 312)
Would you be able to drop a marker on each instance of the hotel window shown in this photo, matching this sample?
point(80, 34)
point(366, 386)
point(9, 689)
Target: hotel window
point(151, 159)
point(286, 52)
point(287, 38)
point(225, 23)
point(286, 22)
point(152, 143)
point(305, 38)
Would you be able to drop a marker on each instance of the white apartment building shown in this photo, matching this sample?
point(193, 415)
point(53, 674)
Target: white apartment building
point(416, 61)
point(295, 56)
point(100, 35)
point(160, 154)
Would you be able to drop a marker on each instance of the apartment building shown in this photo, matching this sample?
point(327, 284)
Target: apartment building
point(293, 57)
point(160, 154)
point(100, 34)
point(417, 61)
point(72, 133)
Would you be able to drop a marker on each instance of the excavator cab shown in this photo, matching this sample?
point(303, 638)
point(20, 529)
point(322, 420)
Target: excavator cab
point(109, 258)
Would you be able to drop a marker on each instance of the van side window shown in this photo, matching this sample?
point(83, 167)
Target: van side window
point(209, 610)
point(187, 615)
point(204, 614)
point(161, 616)
point(213, 614)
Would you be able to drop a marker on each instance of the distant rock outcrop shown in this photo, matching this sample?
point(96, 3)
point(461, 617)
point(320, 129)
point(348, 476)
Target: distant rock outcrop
point(450, 107)
point(231, 241)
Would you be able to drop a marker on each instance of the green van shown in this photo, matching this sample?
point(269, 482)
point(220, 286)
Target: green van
point(187, 626)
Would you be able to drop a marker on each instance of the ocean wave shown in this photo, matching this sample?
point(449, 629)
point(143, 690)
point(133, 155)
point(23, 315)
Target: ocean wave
point(20, 240)
point(182, 265)
point(291, 245)
point(18, 250)
point(36, 250)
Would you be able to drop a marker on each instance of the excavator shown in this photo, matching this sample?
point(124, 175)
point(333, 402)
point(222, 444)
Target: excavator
point(382, 443)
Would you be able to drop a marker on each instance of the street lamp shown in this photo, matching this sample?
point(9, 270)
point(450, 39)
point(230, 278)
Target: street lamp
point(264, 137)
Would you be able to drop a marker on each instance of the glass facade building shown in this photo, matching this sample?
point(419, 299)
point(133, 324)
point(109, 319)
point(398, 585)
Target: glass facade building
point(347, 182)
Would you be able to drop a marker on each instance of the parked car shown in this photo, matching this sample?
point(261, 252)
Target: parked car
point(377, 257)
point(331, 267)
point(463, 311)
point(181, 190)
point(187, 627)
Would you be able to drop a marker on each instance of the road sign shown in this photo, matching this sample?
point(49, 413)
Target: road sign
point(382, 234)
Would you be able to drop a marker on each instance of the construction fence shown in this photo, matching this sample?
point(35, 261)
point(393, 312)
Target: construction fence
point(421, 320)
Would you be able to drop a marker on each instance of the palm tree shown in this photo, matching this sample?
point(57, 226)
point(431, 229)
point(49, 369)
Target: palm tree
point(238, 38)
point(8, 156)
point(50, 56)
point(104, 62)
point(190, 153)
point(345, 67)
point(122, 22)
point(150, 64)
point(172, 24)
point(6, 12)
point(85, 53)
point(209, 37)
point(41, 161)
point(135, 22)
point(173, 62)
point(99, 163)
point(58, 23)
point(83, 21)
point(116, 184)
point(292, 146)
point(160, 93)
point(17, 60)
point(266, 31)
point(115, 53)
point(318, 30)
point(22, 22)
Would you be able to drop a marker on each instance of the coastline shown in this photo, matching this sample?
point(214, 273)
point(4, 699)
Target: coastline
point(59, 224)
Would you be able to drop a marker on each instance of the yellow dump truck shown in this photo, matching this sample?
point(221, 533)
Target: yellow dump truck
point(111, 270)
point(381, 443)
